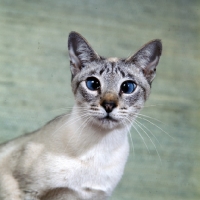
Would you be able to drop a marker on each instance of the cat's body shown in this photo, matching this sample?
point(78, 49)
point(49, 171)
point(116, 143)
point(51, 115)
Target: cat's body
point(44, 161)
point(81, 156)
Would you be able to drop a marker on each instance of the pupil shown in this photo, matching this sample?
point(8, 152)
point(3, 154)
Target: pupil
point(126, 87)
point(95, 84)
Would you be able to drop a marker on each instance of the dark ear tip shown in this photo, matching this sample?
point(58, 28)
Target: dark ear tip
point(158, 45)
point(73, 34)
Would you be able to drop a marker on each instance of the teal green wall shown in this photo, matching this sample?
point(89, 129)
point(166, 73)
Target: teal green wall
point(35, 80)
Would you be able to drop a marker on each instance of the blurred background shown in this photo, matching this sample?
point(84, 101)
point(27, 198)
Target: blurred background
point(35, 80)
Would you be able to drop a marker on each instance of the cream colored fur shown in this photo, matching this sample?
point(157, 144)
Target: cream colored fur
point(54, 157)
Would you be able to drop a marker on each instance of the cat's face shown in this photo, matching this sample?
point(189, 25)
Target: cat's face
point(110, 92)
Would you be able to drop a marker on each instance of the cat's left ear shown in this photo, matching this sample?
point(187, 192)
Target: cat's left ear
point(147, 58)
point(80, 52)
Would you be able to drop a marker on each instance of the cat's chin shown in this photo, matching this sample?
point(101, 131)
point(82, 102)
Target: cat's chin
point(107, 122)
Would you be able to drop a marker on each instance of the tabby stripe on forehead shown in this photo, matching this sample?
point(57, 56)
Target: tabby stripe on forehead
point(101, 71)
point(122, 73)
point(108, 70)
point(116, 70)
point(112, 67)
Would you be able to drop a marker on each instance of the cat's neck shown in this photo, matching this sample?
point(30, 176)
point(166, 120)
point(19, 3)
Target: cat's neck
point(80, 136)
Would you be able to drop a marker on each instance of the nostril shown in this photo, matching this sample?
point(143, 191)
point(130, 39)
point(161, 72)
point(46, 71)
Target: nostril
point(109, 106)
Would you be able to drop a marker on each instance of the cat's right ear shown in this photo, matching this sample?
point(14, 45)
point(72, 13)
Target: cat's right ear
point(80, 52)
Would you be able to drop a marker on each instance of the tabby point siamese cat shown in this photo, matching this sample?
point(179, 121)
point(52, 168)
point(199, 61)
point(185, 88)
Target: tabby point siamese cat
point(81, 155)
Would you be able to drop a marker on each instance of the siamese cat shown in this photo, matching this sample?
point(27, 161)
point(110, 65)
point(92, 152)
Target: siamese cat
point(81, 155)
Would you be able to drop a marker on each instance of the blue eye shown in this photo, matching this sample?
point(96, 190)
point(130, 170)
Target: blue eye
point(92, 83)
point(128, 87)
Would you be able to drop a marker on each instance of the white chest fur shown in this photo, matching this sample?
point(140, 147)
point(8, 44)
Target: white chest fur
point(86, 175)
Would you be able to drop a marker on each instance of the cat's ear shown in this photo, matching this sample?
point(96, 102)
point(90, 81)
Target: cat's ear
point(147, 58)
point(80, 52)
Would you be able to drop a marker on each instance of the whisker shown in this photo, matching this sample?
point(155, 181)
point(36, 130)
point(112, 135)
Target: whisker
point(86, 123)
point(149, 139)
point(82, 126)
point(152, 105)
point(69, 114)
point(70, 122)
point(69, 108)
point(139, 134)
point(150, 117)
point(156, 126)
point(76, 118)
point(149, 131)
point(129, 133)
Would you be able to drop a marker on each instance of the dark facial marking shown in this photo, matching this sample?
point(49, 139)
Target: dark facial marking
point(101, 71)
point(122, 73)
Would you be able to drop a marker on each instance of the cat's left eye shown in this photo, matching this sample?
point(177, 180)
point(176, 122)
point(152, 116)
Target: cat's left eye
point(92, 83)
point(128, 87)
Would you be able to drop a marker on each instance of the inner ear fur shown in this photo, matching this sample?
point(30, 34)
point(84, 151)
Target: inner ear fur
point(147, 58)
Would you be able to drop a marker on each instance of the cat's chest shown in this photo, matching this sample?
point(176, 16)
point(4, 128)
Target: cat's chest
point(90, 169)
point(85, 176)
point(78, 175)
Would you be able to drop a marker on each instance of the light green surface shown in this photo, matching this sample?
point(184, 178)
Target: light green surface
point(35, 80)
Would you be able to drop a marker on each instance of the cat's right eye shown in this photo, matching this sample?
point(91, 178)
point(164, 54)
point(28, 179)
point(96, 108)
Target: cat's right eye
point(93, 83)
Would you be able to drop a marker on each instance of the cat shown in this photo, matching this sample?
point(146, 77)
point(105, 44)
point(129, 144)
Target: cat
point(81, 155)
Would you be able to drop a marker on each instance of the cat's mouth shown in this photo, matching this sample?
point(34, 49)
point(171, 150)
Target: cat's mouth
point(108, 118)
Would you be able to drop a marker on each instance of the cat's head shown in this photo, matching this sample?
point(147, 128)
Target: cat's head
point(111, 91)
